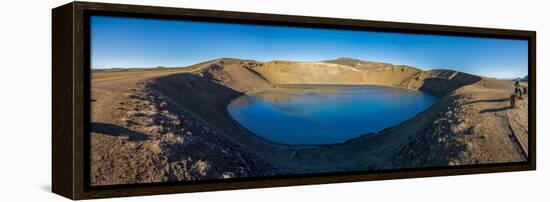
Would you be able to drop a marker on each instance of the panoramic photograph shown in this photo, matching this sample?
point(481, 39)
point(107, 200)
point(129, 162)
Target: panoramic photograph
point(180, 101)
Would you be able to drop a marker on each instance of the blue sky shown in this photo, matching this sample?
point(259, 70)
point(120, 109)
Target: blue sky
point(134, 42)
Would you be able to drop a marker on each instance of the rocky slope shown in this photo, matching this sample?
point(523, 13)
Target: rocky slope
point(215, 85)
point(471, 123)
point(438, 82)
point(139, 136)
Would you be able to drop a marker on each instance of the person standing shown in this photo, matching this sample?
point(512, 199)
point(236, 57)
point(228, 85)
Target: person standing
point(517, 88)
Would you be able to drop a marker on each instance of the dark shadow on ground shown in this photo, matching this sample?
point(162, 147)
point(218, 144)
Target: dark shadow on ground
point(209, 101)
point(441, 86)
point(114, 130)
point(495, 110)
point(494, 100)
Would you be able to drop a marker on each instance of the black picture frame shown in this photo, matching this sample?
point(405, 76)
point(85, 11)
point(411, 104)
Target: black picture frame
point(71, 92)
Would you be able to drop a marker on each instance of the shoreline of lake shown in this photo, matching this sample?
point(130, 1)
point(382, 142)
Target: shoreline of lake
point(325, 105)
point(463, 127)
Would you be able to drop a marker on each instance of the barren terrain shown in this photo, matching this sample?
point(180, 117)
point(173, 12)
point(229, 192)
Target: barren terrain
point(172, 124)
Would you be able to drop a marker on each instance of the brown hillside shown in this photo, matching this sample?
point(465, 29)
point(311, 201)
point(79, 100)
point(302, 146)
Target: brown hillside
point(178, 122)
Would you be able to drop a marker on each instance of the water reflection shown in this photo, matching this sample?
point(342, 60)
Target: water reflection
point(322, 114)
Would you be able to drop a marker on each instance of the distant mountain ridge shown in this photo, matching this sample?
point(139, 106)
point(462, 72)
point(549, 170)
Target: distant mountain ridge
point(362, 64)
point(352, 62)
point(118, 69)
point(250, 75)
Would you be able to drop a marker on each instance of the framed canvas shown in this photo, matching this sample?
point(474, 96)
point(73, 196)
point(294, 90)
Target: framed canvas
point(156, 100)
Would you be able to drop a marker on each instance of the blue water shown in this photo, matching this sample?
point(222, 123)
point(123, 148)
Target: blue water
point(325, 114)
